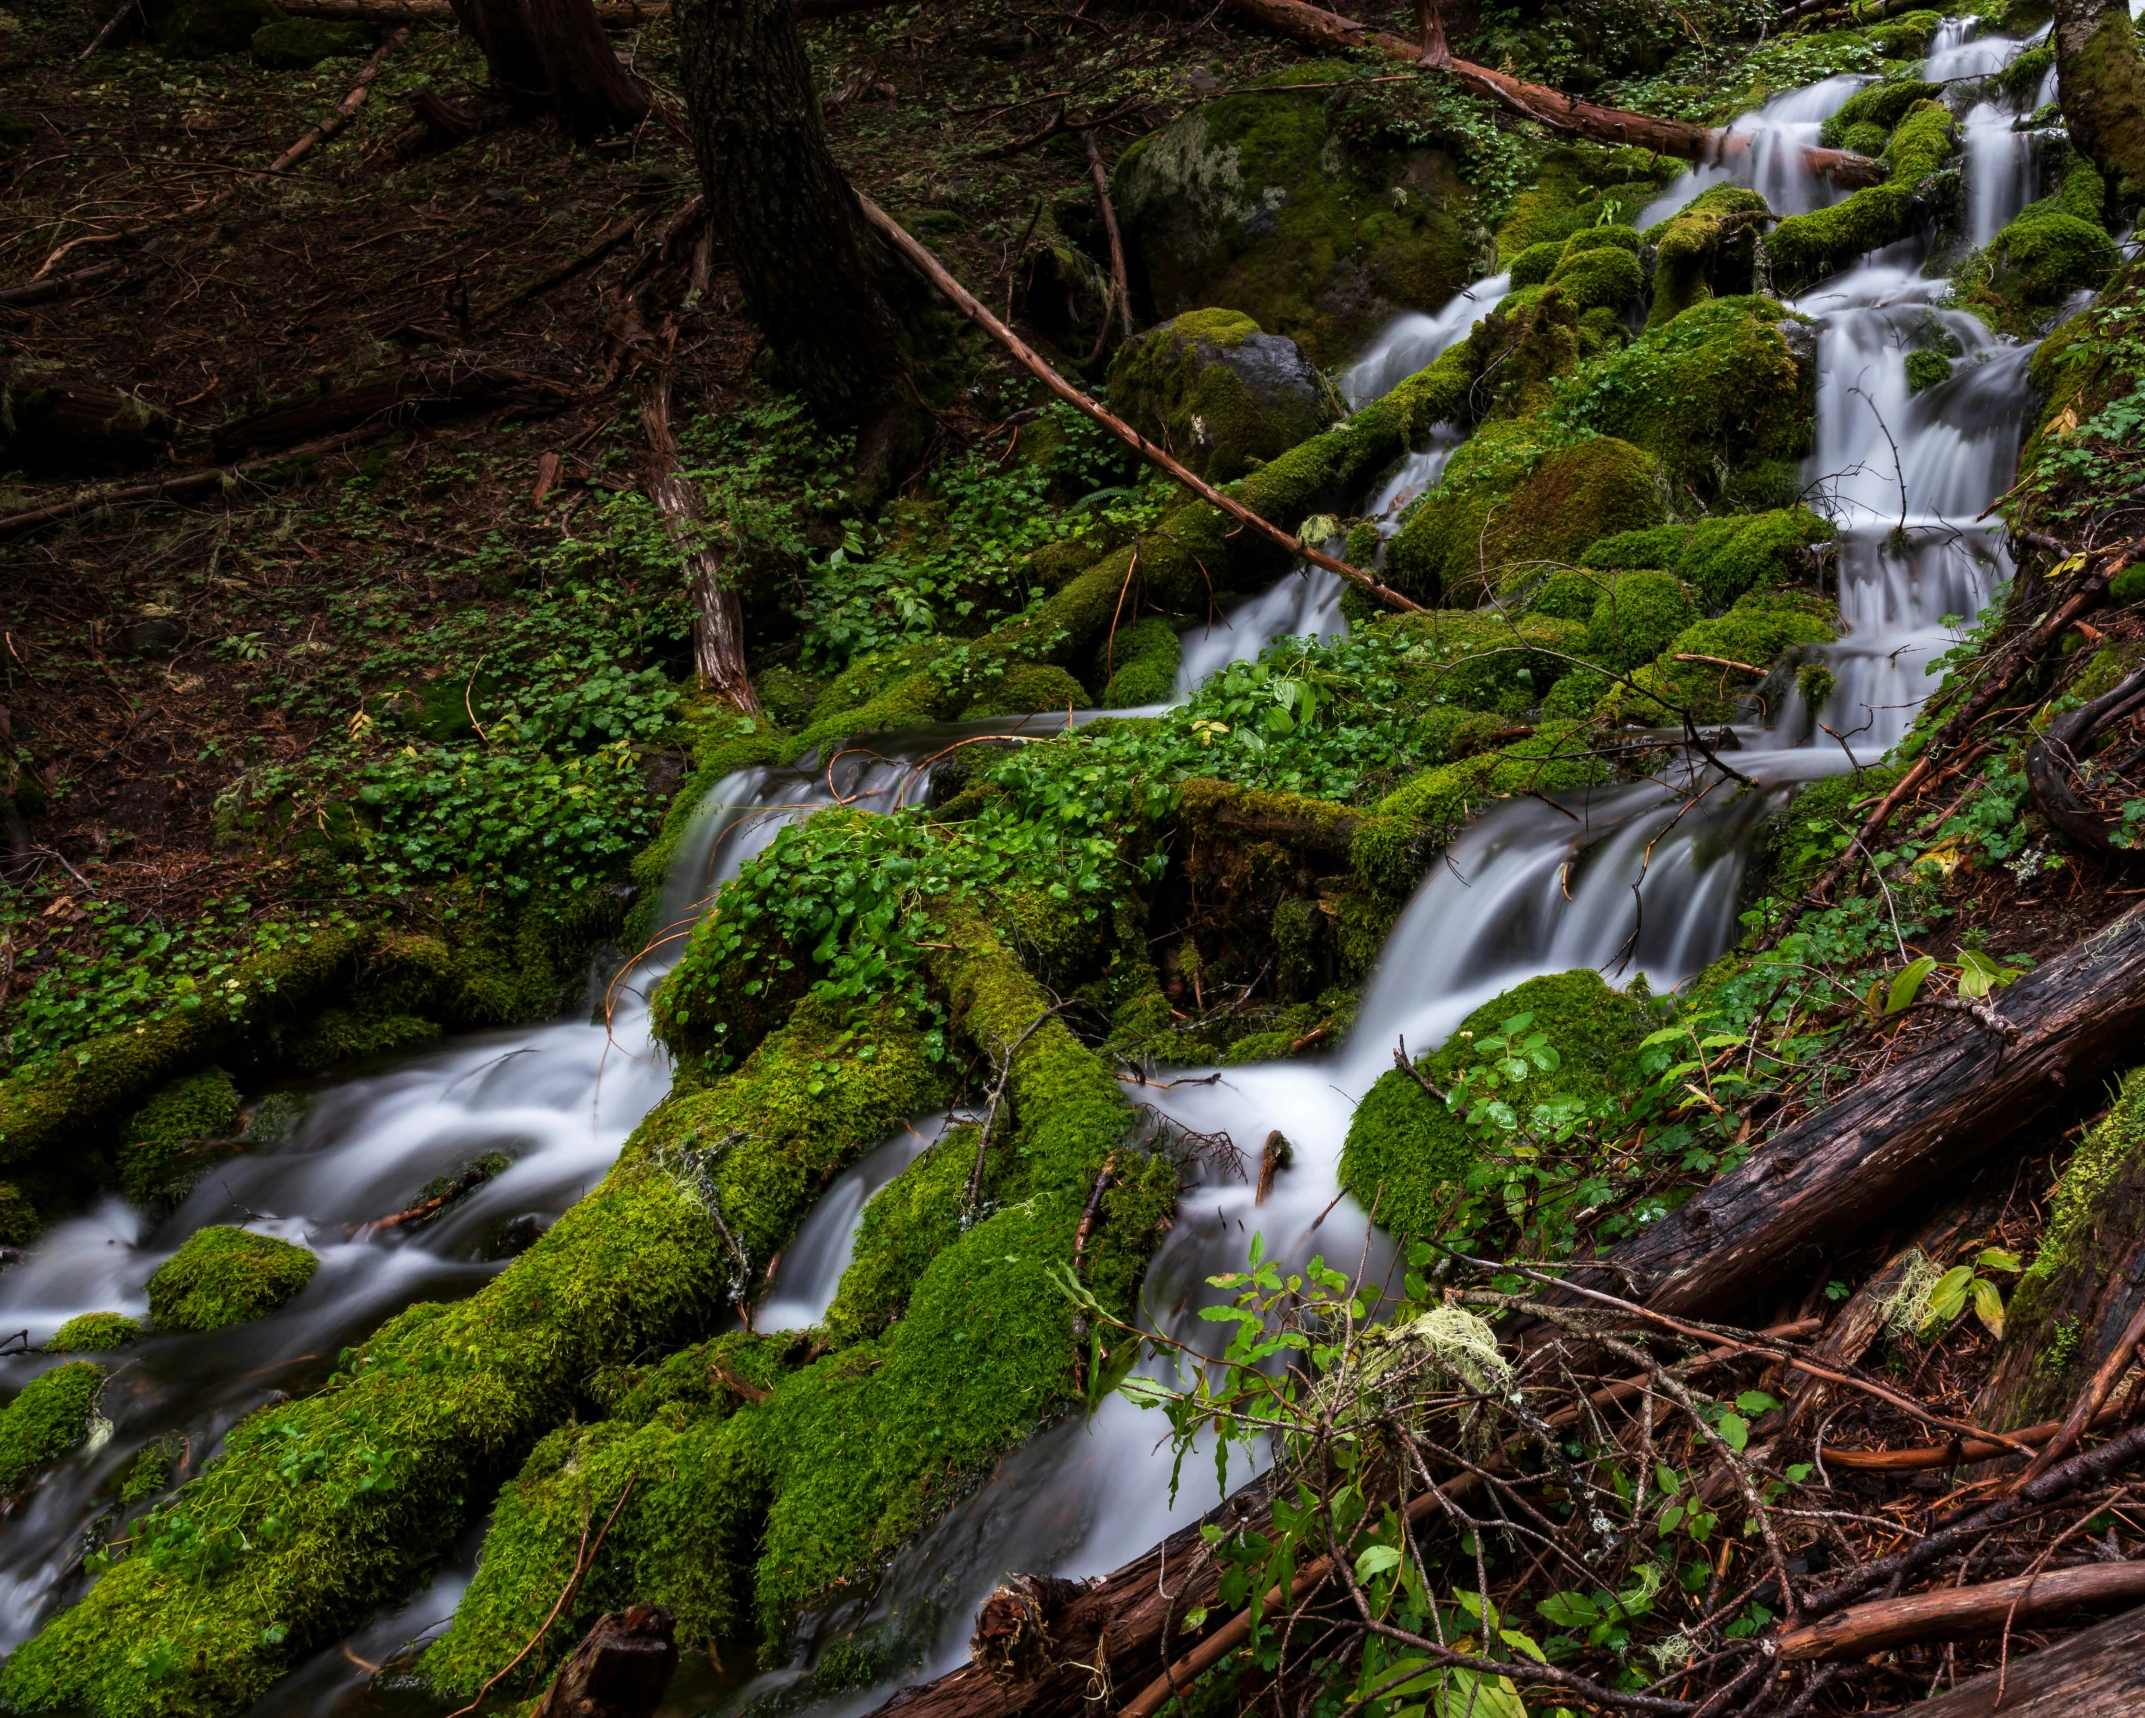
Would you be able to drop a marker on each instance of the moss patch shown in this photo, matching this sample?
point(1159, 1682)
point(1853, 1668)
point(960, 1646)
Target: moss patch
point(1806, 248)
point(95, 1333)
point(52, 1415)
point(1723, 558)
point(169, 1143)
point(223, 1276)
point(1707, 249)
point(1219, 393)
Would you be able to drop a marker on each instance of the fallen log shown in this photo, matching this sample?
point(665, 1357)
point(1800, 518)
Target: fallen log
point(2097, 1674)
point(941, 277)
point(422, 395)
point(1895, 1135)
point(1955, 1613)
point(346, 109)
point(718, 623)
point(611, 14)
point(1551, 107)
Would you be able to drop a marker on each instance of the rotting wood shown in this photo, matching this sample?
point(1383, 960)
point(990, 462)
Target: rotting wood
point(1953, 1613)
point(936, 272)
point(1896, 1134)
point(1276, 1156)
point(1553, 108)
point(2097, 1674)
point(2055, 758)
point(620, 1670)
point(718, 621)
point(1120, 280)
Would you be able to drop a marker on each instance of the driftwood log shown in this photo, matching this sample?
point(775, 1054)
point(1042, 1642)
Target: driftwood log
point(1550, 107)
point(1897, 1134)
point(620, 1669)
point(2097, 1674)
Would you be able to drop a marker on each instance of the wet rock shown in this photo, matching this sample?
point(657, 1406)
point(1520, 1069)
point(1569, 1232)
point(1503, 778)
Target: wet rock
point(1219, 393)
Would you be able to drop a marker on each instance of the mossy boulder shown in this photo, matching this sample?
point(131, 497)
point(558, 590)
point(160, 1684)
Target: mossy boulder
point(1707, 249)
point(1579, 187)
point(203, 29)
point(300, 44)
point(223, 1276)
point(1805, 248)
point(1748, 638)
point(52, 1415)
point(1636, 616)
point(1029, 687)
point(1139, 666)
point(1724, 557)
point(95, 1333)
point(1510, 499)
point(171, 1141)
point(1723, 396)
point(1882, 106)
point(1253, 202)
point(1218, 393)
point(1535, 264)
point(1406, 1151)
point(1598, 268)
point(2054, 248)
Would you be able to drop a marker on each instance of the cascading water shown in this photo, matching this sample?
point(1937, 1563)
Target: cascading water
point(1631, 879)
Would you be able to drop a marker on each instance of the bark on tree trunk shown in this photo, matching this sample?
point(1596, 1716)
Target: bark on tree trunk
point(2097, 1674)
point(718, 626)
point(785, 214)
point(1898, 1134)
point(2100, 82)
point(552, 56)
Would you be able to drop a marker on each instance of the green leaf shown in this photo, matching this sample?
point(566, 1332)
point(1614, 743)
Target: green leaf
point(1998, 1259)
point(1734, 1431)
point(1376, 1561)
point(1467, 1695)
point(1569, 1610)
point(1521, 1643)
point(1757, 1402)
point(1908, 985)
point(1979, 975)
point(1947, 1300)
point(1988, 1305)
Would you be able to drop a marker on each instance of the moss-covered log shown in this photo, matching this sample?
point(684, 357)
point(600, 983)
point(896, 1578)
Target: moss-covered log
point(1803, 249)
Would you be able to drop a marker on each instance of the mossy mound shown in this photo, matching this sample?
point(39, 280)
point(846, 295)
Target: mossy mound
point(203, 29)
point(1636, 617)
point(1478, 670)
point(1599, 268)
point(170, 1142)
point(1576, 186)
point(1707, 249)
point(223, 1276)
point(1534, 264)
point(1725, 557)
point(1029, 687)
point(1254, 203)
point(300, 44)
point(2054, 248)
point(1512, 498)
point(52, 1415)
point(95, 1333)
point(1742, 645)
point(1405, 1150)
point(1140, 664)
point(1718, 395)
point(1805, 248)
point(1219, 393)
point(1882, 106)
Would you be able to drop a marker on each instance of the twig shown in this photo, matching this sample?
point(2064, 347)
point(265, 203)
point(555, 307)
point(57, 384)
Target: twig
point(347, 108)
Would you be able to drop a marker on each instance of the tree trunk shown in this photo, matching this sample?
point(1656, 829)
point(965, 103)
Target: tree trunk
point(619, 1670)
point(552, 56)
point(2097, 1674)
point(782, 209)
point(718, 625)
point(1901, 1133)
point(2100, 81)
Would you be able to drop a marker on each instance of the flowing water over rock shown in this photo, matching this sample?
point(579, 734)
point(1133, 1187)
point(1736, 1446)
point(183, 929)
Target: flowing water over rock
point(1635, 878)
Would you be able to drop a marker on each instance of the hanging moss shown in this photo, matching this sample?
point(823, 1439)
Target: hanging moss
point(223, 1276)
point(1218, 392)
point(1718, 396)
point(1405, 1150)
point(1806, 248)
point(1725, 557)
point(1142, 664)
point(95, 1333)
point(52, 1415)
point(1707, 249)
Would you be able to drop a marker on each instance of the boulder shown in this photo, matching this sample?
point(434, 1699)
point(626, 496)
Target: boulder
point(300, 44)
point(1219, 393)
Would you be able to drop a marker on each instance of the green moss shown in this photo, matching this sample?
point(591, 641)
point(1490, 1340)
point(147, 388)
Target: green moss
point(1029, 687)
point(1723, 557)
point(170, 1142)
point(2052, 249)
point(1535, 264)
point(1805, 248)
point(1926, 370)
point(1478, 669)
point(1218, 392)
point(2021, 79)
point(1800, 841)
point(52, 1415)
point(905, 1225)
point(1636, 616)
point(1883, 105)
point(1406, 1150)
point(223, 1276)
point(1575, 187)
point(95, 1333)
point(1706, 249)
point(1717, 395)
point(787, 696)
point(1142, 664)
point(151, 1470)
point(1755, 631)
point(300, 44)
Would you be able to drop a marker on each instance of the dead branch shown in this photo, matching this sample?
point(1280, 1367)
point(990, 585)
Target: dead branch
point(1951, 1613)
point(346, 109)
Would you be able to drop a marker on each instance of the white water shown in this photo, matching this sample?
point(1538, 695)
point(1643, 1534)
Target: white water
point(1528, 888)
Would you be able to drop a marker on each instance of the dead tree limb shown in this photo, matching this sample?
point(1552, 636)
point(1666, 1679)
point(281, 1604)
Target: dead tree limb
point(2097, 1674)
point(937, 274)
point(2054, 762)
point(346, 109)
point(718, 622)
point(1895, 1135)
point(1550, 107)
point(1118, 277)
point(1954, 1613)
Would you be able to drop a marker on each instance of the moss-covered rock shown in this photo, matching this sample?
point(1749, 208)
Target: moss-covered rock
point(1027, 687)
point(1636, 616)
point(1747, 639)
point(300, 44)
point(1218, 393)
point(1720, 395)
point(1882, 105)
point(1510, 499)
point(170, 1142)
point(1805, 248)
point(95, 1333)
point(1405, 1150)
point(1578, 187)
point(1534, 264)
point(1140, 664)
point(1598, 268)
point(2054, 248)
point(52, 1415)
point(223, 1276)
point(1707, 249)
point(202, 29)
point(1723, 557)
point(1254, 203)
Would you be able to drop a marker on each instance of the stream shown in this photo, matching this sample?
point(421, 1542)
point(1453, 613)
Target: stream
point(1629, 878)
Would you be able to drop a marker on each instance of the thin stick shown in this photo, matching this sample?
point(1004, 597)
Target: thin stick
point(1109, 225)
point(347, 108)
point(111, 26)
point(2087, 1405)
point(936, 273)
